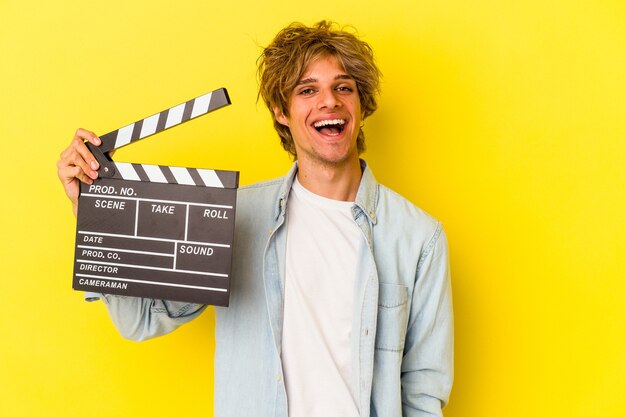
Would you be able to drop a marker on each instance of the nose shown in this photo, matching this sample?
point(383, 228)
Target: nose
point(328, 99)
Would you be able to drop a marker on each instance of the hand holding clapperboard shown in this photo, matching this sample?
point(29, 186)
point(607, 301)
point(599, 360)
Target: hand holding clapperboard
point(157, 231)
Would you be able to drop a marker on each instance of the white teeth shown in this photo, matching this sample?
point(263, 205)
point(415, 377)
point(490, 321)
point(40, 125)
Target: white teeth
point(329, 122)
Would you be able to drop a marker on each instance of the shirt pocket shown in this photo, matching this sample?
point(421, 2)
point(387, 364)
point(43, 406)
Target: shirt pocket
point(392, 317)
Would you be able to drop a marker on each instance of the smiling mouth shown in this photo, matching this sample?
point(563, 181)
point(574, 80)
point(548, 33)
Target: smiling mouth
point(330, 127)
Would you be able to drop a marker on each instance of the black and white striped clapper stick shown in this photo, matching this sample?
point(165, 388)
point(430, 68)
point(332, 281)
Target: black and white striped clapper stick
point(157, 123)
point(164, 120)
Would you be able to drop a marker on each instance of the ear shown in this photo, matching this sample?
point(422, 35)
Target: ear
point(280, 117)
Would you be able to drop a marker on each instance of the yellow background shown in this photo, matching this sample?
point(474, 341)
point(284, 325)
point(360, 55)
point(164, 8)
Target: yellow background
point(505, 120)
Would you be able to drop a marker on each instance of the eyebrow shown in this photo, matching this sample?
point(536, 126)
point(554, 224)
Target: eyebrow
point(314, 80)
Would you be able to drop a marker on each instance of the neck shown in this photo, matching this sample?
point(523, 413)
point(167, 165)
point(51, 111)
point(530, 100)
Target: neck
point(338, 182)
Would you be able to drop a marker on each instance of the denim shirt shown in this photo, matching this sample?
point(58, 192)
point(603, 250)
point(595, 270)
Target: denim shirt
point(402, 328)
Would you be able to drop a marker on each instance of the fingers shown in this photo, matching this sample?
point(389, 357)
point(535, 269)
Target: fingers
point(79, 137)
point(84, 134)
point(78, 155)
point(77, 163)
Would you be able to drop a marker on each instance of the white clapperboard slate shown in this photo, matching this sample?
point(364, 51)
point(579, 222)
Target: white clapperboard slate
point(157, 231)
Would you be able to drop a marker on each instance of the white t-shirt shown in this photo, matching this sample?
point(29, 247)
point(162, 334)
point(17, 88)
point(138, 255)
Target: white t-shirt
point(322, 248)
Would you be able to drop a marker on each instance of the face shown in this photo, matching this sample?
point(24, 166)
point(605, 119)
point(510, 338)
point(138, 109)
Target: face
point(324, 114)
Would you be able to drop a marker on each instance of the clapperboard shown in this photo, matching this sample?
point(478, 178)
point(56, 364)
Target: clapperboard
point(157, 231)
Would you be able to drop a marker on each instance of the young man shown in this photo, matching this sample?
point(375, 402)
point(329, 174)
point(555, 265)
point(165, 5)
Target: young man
point(340, 291)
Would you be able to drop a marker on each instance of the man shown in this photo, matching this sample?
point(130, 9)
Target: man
point(340, 293)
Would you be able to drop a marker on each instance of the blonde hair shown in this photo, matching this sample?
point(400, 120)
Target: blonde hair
point(285, 59)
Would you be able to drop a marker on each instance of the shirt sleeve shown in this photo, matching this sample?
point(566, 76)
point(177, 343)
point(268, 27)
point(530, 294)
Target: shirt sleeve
point(428, 360)
point(140, 319)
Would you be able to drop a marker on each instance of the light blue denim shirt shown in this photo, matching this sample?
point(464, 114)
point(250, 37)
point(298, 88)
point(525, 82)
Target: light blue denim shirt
point(402, 331)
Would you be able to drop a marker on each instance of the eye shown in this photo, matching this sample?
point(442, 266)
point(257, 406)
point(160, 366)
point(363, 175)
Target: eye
point(306, 91)
point(345, 89)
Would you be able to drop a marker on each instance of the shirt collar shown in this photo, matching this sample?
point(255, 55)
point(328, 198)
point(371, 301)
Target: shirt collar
point(367, 195)
point(285, 188)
